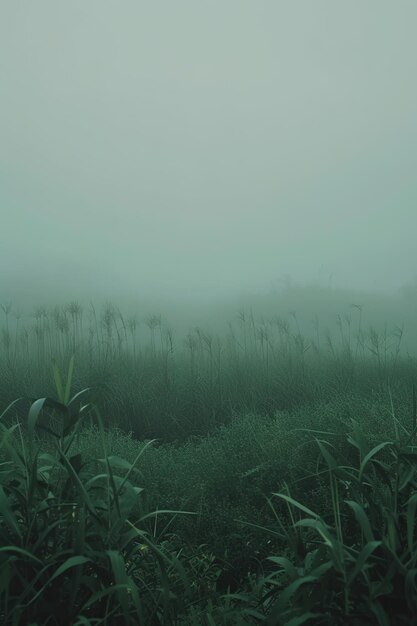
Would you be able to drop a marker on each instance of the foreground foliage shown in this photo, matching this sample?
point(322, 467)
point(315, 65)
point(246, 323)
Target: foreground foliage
point(80, 545)
point(356, 564)
point(70, 551)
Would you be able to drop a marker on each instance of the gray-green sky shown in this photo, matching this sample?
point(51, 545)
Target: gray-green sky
point(207, 145)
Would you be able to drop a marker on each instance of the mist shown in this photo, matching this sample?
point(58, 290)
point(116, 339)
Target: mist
point(196, 152)
point(208, 306)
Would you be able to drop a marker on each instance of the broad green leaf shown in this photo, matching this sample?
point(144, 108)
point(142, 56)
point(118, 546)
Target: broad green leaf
point(361, 559)
point(321, 528)
point(371, 454)
point(99, 595)
point(330, 460)
point(36, 409)
point(20, 551)
point(73, 561)
point(298, 505)
point(362, 519)
point(121, 579)
point(285, 564)
point(286, 595)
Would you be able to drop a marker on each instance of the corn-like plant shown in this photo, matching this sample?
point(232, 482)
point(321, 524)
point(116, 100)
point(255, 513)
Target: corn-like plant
point(73, 547)
point(358, 565)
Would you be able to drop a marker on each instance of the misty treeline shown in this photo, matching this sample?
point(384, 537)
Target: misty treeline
point(155, 382)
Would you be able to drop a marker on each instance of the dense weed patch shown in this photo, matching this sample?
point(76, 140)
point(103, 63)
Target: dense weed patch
point(79, 545)
point(275, 511)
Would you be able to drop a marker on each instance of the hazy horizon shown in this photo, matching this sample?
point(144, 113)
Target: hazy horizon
point(205, 150)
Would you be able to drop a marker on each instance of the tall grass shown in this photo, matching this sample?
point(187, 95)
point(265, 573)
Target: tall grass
point(155, 384)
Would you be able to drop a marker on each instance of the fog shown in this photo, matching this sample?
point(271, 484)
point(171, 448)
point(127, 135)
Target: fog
point(201, 151)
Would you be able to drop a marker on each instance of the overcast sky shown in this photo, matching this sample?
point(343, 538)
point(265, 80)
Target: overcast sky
point(207, 146)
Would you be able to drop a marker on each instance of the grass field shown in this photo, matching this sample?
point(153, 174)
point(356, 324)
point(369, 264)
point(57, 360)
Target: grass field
point(261, 475)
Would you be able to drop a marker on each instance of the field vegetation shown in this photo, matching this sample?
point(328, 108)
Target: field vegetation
point(263, 475)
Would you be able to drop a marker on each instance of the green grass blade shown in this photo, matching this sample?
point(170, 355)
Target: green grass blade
point(58, 382)
point(371, 454)
point(68, 383)
point(296, 504)
point(361, 559)
point(22, 552)
point(7, 409)
point(72, 561)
